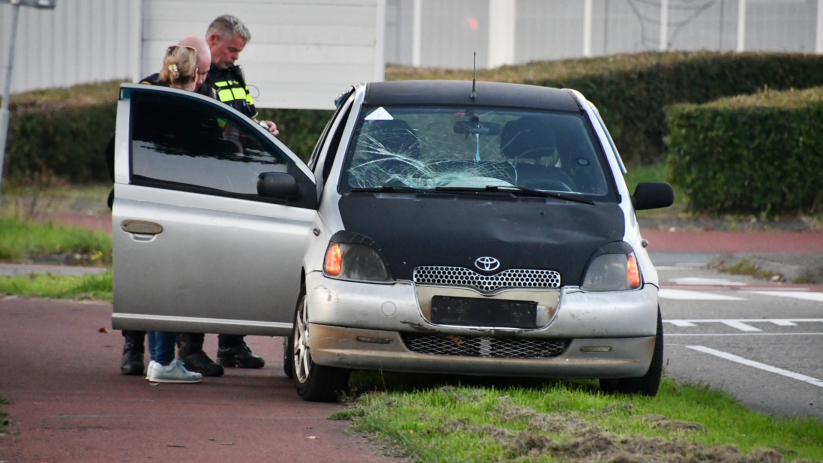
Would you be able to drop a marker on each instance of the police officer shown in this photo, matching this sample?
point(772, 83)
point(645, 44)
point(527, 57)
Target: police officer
point(226, 38)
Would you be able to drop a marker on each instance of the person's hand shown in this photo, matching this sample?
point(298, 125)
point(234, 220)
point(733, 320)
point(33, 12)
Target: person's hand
point(271, 126)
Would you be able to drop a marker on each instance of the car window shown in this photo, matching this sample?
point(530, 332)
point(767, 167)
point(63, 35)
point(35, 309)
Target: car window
point(431, 147)
point(182, 143)
point(335, 143)
point(322, 141)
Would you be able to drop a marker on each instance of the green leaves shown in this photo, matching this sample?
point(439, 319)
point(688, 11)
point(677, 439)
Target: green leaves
point(757, 154)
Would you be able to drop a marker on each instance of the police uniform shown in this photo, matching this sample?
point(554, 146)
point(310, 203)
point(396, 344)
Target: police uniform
point(230, 87)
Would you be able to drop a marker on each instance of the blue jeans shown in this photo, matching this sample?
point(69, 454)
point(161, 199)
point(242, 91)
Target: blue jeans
point(161, 346)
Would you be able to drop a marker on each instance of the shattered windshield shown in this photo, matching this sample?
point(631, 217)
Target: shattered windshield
point(448, 147)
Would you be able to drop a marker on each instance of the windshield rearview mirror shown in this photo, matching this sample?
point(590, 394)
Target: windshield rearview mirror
point(652, 195)
point(477, 128)
point(277, 185)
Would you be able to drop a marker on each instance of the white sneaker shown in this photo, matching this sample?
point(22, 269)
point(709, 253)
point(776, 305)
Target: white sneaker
point(175, 372)
point(151, 366)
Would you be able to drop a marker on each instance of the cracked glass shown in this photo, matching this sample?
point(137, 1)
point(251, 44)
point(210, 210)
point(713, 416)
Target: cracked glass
point(450, 147)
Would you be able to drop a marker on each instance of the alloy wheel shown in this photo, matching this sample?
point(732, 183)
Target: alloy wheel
point(302, 353)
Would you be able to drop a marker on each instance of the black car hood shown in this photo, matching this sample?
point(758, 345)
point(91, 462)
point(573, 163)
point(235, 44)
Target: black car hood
point(454, 230)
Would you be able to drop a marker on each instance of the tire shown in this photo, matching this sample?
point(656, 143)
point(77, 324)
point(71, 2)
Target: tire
point(288, 365)
point(314, 383)
point(647, 384)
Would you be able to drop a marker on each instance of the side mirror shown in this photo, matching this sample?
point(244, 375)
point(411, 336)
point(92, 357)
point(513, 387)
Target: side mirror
point(277, 185)
point(652, 195)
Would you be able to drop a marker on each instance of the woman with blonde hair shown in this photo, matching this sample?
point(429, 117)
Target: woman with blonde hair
point(179, 71)
point(179, 68)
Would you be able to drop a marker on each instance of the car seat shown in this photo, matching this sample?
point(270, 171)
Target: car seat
point(530, 138)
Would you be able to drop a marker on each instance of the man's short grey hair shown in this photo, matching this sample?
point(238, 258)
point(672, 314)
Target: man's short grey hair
point(228, 26)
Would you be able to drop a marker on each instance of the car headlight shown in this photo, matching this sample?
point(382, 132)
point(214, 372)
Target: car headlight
point(355, 262)
point(612, 272)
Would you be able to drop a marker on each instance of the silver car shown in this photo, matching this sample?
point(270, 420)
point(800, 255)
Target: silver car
point(439, 227)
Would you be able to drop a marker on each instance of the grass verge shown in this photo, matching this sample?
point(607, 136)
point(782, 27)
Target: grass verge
point(572, 421)
point(96, 286)
point(746, 267)
point(22, 239)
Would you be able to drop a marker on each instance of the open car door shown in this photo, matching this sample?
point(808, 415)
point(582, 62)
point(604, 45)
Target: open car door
point(196, 247)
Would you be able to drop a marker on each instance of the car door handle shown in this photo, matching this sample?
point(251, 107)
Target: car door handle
point(141, 227)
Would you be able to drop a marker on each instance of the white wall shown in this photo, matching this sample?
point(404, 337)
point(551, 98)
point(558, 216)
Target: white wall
point(79, 41)
point(554, 29)
point(303, 53)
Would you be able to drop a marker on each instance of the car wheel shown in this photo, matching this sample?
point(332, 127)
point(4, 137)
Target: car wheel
point(288, 365)
point(647, 384)
point(314, 383)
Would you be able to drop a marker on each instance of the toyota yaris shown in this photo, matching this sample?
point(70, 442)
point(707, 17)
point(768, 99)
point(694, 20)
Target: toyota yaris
point(439, 227)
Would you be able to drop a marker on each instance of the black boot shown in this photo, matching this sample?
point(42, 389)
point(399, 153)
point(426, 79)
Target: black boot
point(237, 354)
point(190, 352)
point(133, 350)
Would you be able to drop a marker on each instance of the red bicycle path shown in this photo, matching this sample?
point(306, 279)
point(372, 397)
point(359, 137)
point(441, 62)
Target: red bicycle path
point(69, 403)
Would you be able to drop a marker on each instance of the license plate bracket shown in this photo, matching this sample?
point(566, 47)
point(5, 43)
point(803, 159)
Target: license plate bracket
point(467, 311)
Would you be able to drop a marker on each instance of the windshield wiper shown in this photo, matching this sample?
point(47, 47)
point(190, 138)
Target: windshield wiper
point(552, 194)
point(471, 190)
point(388, 189)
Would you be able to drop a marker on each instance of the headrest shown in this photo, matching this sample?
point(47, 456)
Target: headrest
point(396, 136)
point(527, 137)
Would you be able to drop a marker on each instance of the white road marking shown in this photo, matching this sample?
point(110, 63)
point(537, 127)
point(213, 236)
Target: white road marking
point(743, 324)
point(818, 297)
point(742, 334)
point(738, 325)
point(706, 281)
point(758, 365)
point(680, 294)
point(682, 323)
point(783, 323)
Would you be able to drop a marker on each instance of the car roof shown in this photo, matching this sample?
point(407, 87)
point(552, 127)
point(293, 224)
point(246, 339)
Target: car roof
point(457, 93)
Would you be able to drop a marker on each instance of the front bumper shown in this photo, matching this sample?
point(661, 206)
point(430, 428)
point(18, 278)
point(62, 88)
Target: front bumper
point(340, 312)
point(384, 350)
point(394, 307)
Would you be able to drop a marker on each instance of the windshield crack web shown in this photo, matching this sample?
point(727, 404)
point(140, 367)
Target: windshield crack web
point(421, 162)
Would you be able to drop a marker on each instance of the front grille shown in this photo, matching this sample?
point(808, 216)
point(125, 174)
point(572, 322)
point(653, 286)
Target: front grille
point(461, 276)
point(484, 346)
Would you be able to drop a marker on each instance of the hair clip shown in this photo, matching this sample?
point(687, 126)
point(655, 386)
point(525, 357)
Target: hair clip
point(173, 67)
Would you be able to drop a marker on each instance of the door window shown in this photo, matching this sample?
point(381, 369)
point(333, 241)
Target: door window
point(186, 144)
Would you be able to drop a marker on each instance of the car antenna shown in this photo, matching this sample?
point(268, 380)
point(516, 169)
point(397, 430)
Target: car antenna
point(474, 77)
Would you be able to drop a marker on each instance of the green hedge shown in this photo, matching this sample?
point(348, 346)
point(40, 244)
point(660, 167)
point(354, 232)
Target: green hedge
point(760, 154)
point(64, 130)
point(631, 90)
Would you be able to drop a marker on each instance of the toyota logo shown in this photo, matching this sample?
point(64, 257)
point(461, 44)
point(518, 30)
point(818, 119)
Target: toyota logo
point(487, 264)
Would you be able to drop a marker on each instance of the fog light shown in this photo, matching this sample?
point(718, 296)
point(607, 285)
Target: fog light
point(373, 340)
point(596, 349)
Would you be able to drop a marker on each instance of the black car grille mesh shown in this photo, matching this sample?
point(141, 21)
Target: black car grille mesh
point(461, 276)
point(483, 346)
